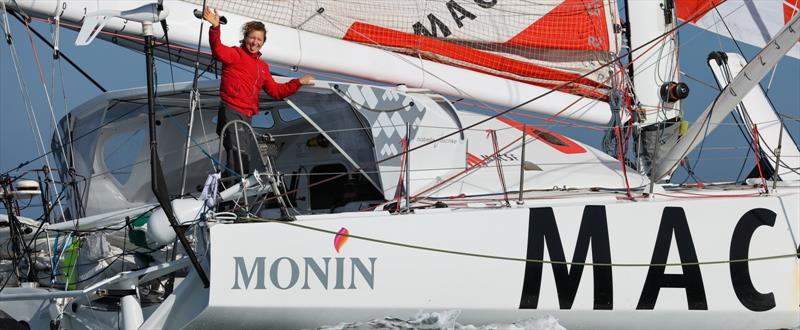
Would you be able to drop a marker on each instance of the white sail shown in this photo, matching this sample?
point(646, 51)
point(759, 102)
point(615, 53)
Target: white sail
point(754, 22)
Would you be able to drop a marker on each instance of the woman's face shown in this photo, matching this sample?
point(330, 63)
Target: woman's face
point(253, 41)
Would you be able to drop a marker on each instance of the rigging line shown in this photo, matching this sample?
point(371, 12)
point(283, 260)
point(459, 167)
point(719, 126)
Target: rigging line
point(630, 64)
point(55, 35)
point(195, 76)
point(790, 117)
point(61, 54)
point(497, 161)
point(736, 42)
point(728, 76)
point(23, 88)
point(617, 59)
point(749, 148)
point(694, 138)
point(465, 102)
point(99, 174)
point(67, 122)
point(472, 168)
point(28, 101)
point(94, 175)
point(762, 154)
point(506, 258)
point(49, 103)
point(748, 121)
point(131, 39)
point(197, 144)
point(78, 138)
point(357, 129)
point(552, 122)
point(703, 83)
point(53, 63)
point(703, 141)
point(757, 156)
point(169, 51)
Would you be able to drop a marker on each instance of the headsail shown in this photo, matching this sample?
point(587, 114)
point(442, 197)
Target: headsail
point(751, 21)
point(545, 43)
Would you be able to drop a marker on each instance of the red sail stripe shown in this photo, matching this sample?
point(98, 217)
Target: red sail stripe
point(565, 27)
point(688, 9)
point(431, 48)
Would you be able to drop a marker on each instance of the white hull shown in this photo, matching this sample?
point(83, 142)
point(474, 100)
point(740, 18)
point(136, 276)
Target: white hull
point(707, 258)
point(406, 280)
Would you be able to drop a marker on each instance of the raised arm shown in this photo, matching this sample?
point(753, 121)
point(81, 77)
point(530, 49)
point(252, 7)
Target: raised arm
point(220, 52)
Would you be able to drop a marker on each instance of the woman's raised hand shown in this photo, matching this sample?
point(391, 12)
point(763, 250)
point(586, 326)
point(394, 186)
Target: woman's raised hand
point(211, 16)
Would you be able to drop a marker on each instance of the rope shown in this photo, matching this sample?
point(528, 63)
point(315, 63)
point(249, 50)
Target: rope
point(757, 154)
point(526, 260)
point(400, 187)
point(44, 87)
point(622, 162)
point(748, 121)
point(500, 175)
point(27, 97)
point(469, 168)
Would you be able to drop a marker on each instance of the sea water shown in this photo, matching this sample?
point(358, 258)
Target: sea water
point(446, 320)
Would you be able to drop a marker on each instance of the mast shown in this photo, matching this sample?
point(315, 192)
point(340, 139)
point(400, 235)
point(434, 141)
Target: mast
point(656, 67)
point(656, 80)
point(157, 182)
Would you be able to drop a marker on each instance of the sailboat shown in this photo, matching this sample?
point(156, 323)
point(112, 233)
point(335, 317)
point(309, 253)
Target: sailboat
point(376, 199)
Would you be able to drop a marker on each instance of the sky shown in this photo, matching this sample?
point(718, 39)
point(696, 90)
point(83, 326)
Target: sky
point(723, 155)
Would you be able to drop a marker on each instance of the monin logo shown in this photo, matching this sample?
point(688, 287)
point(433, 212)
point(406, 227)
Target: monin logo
point(285, 273)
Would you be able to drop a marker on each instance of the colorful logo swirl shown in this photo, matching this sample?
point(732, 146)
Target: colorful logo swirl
point(340, 239)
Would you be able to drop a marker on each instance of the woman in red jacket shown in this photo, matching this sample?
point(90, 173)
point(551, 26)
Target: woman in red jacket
point(243, 74)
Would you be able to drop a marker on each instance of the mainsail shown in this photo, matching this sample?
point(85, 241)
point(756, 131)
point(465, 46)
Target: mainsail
point(545, 43)
point(754, 22)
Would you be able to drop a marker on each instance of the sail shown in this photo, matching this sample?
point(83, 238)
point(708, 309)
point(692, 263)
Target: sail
point(754, 22)
point(545, 43)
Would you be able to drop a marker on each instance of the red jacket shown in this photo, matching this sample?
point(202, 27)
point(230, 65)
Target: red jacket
point(242, 75)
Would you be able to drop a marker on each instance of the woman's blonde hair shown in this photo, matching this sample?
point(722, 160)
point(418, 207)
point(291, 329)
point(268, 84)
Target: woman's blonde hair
point(251, 26)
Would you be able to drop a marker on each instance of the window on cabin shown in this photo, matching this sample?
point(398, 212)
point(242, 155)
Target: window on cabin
point(550, 138)
point(263, 120)
point(120, 152)
point(288, 114)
